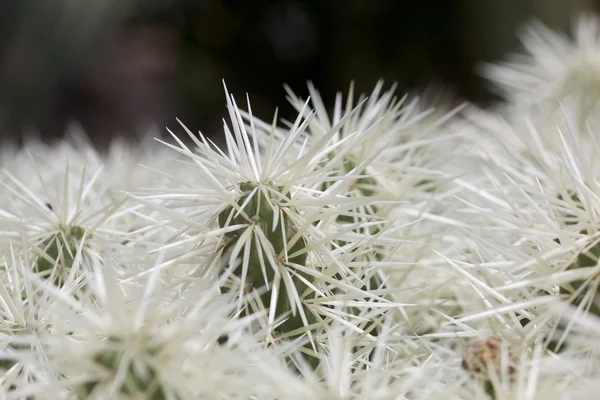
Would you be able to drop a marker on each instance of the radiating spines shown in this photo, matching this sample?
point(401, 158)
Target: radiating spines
point(554, 70)
point(147, 337)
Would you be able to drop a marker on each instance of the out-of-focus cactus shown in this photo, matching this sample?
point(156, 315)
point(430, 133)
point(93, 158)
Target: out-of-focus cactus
point(141, 378)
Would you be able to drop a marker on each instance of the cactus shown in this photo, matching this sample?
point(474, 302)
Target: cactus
point(586, 258)
point(60, 248)
point(259, 206)
point(138, 381)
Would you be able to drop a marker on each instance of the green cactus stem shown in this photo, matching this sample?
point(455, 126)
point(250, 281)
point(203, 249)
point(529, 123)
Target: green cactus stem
point(63, 247)
point(259, 207)
point(585, 259)
point(6, 362)
point(139, 382)
point(588, 258)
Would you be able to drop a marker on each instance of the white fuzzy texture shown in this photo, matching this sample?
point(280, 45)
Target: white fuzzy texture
point(445, 254)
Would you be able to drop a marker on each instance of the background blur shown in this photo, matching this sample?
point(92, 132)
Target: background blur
point(119, 67)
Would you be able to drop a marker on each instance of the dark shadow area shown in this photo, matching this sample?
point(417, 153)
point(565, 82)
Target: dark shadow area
point(118, 71)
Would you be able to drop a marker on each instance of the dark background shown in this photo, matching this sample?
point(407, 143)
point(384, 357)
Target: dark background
point(118, 70)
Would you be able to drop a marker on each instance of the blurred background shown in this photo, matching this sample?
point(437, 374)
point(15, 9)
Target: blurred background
point(118, 68)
